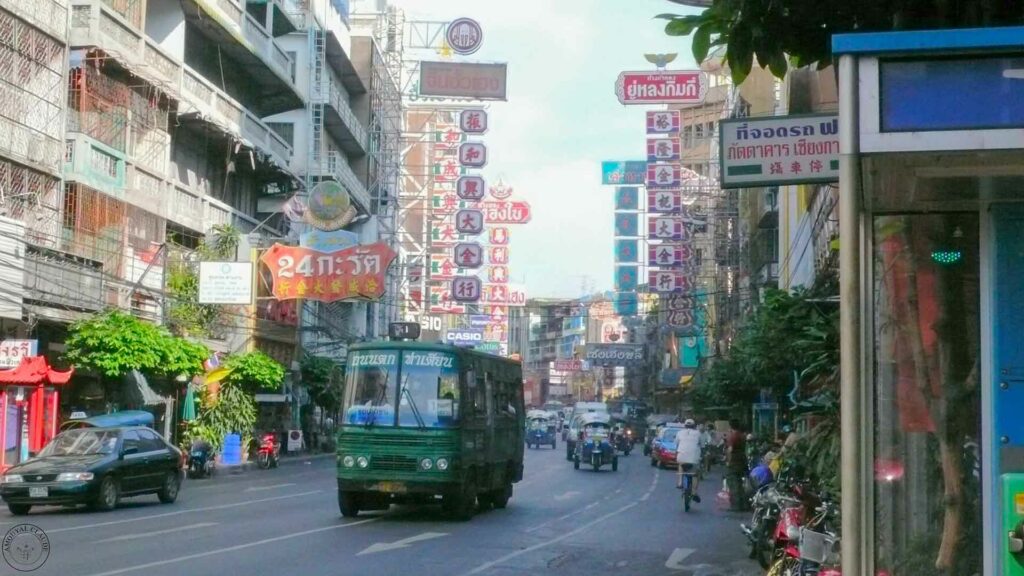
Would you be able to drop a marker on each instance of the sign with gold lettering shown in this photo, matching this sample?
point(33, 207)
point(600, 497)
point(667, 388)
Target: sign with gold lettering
point(355, 273)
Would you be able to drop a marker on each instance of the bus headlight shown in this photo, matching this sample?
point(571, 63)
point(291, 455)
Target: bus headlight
point(362, 462)
point(442, 464)
point(348, 461)
point(426, 463)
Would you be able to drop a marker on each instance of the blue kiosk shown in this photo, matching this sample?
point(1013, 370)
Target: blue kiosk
point(932, 301)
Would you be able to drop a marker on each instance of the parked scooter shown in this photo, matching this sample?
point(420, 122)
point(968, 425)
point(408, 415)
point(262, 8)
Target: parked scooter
point(269, 452)
point(200, 459)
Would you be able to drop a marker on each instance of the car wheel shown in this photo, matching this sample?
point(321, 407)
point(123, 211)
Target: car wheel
point(169, 491)
point(464, 502)
point(348, 503)
point(19, 509)
point(109, 495)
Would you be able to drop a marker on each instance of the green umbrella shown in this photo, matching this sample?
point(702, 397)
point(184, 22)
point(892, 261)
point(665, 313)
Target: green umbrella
point(188, 409)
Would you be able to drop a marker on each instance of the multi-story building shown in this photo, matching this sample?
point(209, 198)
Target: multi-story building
point(135, 130)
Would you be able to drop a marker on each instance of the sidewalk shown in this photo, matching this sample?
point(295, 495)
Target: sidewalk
point(286, 459)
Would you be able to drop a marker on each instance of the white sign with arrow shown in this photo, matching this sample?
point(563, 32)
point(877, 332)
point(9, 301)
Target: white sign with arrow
point(403, 543)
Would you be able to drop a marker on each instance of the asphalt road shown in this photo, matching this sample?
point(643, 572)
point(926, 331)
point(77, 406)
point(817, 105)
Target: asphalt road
point(286, 521)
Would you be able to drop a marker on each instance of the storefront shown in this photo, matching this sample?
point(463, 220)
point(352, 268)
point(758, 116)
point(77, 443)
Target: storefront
point(932, 301)
point(29, 408)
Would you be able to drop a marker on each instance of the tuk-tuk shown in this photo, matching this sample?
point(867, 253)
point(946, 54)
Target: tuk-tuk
point(122, 418)
point(540, 430)
point(593, 446)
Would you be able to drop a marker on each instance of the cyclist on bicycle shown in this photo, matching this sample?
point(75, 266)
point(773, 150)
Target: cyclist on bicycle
point(688, 453)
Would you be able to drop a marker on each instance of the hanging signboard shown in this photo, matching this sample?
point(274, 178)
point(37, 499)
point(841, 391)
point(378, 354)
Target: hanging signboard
point(352, 273)
point(445, 235)
point(328, 241)
point(443, 267)
point(664, 175)
point(667, 228)
point(627, 198)
point(663, 122)
point(664, 149)
point(626, 303)
point(626, 251)
point(662, 87)
point(469, 255)
point(498, 235)
point(615, 354)
point(679, 302)
point(668, 281)
point(225, 283)
point(497, 255)
point(505, 212)
point(627, 224)
point(464, 336)
point(779, 150)
point(669, 255)
point(679, 318)
point(473, 155)
point(466, 289)
point(470, 188)
point(618, 173)
point(474, 81)
point(664, 201)
point(568, 365)
point(497, 274)
point(626, 278)
point(473, 121)
point(12, 351)
point(448, 170)
point(469, 222)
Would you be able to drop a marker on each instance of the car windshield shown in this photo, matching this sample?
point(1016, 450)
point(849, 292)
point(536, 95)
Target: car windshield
point(81, 442)
point(371, 387)
point(670, 434)
point(430, 390)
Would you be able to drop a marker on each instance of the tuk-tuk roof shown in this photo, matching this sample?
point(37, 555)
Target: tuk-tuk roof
point(123, 418)
point(594, 418)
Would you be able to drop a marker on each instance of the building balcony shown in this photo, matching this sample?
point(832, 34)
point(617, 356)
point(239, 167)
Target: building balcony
point(336, 168)
point(50, 16)
point(287, 16)
point(768, 209)
point(339, 119)
point(93, 23)
point(228, 25)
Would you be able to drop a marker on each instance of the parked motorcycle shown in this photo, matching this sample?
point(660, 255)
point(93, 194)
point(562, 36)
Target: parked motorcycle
point(269, 452)
point(200, 460)
point(777, 506)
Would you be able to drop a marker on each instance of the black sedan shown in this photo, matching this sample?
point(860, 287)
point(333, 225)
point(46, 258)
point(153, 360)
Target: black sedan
point(94, 466)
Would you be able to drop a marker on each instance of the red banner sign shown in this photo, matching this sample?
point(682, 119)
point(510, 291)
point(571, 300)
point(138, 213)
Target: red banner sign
point(662, 87)
point(568, 365)
point(505, 212)
point(353, 273)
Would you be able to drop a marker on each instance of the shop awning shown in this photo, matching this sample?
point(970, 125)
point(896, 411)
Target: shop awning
point(34, 370)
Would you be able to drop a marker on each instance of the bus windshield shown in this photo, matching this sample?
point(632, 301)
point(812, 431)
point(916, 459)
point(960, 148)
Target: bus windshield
point(429, 396)
point(371, 387)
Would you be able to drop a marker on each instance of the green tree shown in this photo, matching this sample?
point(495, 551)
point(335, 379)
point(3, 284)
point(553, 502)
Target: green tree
point(254, 372)
point(114, 343)
point(320, 376)
point(233, 410)
point(802, 29)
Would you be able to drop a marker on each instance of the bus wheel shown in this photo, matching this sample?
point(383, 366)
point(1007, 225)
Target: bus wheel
point(348, 504)
point(500, 497)
point(463, 503)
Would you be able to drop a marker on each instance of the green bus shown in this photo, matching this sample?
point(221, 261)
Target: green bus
point(426, 421)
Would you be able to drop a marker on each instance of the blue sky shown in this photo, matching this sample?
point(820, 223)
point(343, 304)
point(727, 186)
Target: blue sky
point(561, 120)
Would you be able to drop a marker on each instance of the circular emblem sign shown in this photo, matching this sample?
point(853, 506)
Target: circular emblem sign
point(464, 36)
point(26, 547)
point(329, 207)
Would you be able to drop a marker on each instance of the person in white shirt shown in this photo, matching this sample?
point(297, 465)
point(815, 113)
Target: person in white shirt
point(689, 443)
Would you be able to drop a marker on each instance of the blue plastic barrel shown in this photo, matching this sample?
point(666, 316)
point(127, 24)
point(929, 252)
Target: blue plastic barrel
point(232, 453)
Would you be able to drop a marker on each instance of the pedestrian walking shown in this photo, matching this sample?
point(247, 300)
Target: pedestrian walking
point(736, 466)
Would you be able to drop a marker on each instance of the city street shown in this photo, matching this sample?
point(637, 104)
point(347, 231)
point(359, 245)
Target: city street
point(286, 521)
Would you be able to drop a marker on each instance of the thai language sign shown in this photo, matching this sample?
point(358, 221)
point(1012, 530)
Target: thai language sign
point(662, 87)
point(12, 351)
point(568, 365)
point(615, 354)
point(225, 283)
point(474, 81)
point(779, 150)
point(352, 273)
point(623, 173)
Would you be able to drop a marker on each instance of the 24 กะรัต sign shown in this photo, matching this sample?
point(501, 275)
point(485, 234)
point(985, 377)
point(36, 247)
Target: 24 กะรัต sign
point(352, 273)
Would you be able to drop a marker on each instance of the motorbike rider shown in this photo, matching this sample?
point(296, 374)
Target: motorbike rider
point(689, 444)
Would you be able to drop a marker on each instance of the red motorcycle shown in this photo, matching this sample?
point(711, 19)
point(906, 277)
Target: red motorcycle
point(269, 452)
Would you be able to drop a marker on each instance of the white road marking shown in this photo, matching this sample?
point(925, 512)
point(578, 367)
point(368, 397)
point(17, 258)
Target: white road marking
point(180, 512)
point(216, 551)
point(488, 565)
point(271, 487)
point(403, 543)
point(157, 532)
point(650, 490)
point(567, 495)
point(675, 560)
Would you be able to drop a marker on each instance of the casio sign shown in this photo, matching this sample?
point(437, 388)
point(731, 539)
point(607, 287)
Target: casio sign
point(464, 337)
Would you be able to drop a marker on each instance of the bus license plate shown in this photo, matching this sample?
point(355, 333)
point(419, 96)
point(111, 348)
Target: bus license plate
point(38, 492)
point(391, 487)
